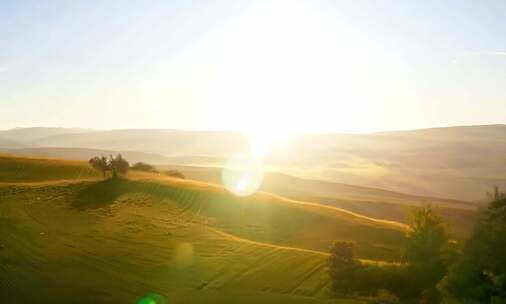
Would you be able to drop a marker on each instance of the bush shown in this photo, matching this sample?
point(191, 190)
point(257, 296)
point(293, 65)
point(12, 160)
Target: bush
point(118, 165)
point(174, 173)
point(480, 275)
point(427, 251)
point(350, 278)
point(342, 267)
point(140, 166)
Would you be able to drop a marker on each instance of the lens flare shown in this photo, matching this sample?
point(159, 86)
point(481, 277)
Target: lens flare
point(152, 298)
point(243, 174)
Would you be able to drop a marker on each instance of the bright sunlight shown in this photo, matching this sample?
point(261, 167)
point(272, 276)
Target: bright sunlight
point(277, 72)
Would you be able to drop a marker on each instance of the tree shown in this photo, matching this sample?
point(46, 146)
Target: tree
point(100, 163)
point(143, 167)
point(342, 266)
point(118, 165)
point(480, 275)
point(427, 250)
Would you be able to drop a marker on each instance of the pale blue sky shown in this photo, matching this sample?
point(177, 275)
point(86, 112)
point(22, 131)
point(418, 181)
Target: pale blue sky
point(256, 66)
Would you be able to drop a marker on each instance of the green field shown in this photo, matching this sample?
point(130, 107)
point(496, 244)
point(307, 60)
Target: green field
point(66, 238)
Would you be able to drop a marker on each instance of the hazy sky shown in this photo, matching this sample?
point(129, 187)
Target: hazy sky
point(282, 66)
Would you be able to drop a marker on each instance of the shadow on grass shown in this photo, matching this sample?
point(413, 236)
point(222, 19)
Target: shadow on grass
point(104, 193)
point(101, 194)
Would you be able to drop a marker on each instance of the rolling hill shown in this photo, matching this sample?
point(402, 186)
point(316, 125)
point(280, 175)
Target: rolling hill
point(461, 163)
point(372, 202)
point(69, 236)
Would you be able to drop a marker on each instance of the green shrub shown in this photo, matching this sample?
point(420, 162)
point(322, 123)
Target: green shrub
point(343, 267)
point(174, 173)
point(140, 166)
point(480, 275)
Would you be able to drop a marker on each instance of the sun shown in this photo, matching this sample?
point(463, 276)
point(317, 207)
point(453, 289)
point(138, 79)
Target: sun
point(279, 70)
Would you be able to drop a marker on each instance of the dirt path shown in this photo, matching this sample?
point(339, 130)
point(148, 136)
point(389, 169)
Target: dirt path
point(232, 237)
point(235, 238)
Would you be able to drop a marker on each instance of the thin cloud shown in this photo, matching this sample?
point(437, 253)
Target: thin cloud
point(497, 53)
point(3, 69)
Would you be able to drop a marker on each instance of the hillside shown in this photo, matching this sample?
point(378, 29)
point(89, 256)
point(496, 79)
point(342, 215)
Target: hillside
point(21, 169)
point(461, 163)
point(95, 241)
point(372, 202)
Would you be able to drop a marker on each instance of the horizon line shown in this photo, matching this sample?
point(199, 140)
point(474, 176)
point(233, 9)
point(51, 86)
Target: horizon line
point(246, 133)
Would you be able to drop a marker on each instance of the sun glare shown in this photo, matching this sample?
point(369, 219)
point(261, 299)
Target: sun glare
point(276, 69)
point(243, 174)
point(273, 73)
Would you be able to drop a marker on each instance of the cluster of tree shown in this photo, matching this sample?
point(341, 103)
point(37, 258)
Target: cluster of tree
point(436, 269)
point(140, 166)
point(117, 165)
point(479, 275)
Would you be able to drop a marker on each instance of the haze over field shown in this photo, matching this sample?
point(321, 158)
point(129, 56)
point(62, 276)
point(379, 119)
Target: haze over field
point(459, 162)
point(301, 152)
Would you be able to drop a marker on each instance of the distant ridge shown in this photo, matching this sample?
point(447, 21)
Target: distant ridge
point(461, 127)
point(461, 162)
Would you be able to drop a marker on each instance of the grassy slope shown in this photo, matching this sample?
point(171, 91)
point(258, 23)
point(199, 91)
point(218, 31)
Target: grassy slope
point(114, 241)
point(371, 202)
point(287, 185)
point(21, 169)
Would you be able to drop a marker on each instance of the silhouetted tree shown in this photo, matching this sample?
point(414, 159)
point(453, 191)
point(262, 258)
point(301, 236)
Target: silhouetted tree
point(427, 251)
point(342, 266)
point(480, 275)
point(100, 163)
point(118, 165)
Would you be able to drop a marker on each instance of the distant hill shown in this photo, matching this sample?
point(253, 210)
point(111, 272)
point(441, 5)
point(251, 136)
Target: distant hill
point(165, 142)
point(459, 162)
point(9, 144)
point(30, 134)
